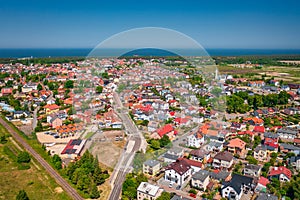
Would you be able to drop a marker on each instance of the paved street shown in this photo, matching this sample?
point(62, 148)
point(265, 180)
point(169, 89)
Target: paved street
point(135, 143)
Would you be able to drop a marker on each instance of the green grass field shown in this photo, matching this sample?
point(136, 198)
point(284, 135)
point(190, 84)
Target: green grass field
point(35, 180)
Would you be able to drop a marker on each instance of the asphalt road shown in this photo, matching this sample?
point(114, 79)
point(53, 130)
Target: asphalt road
point(124, 165)
point(62, 182)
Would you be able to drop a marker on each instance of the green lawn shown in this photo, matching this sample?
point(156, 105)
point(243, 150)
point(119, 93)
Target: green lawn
point(35, 181)
point(89, 135)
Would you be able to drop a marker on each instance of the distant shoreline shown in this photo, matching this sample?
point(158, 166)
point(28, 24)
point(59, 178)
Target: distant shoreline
point(83, 52)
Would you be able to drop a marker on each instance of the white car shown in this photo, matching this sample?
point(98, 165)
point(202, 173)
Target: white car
point(171, 184)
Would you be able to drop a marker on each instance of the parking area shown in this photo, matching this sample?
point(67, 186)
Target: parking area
point(48, 137)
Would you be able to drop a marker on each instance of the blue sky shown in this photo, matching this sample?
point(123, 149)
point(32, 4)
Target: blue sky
point(214, 24)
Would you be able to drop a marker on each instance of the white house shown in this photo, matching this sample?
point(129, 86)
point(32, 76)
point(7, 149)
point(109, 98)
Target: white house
point(200, 180)
point(195, 140)
point(237, 186)
point(178, 172)
point(223, 160)
point(148, 191)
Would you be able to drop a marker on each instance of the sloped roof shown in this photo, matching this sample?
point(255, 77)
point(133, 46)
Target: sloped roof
point(225, 155)
point(180, 166)
point(237, 181)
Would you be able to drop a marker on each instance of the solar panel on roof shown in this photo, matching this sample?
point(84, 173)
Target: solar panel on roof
point(75, 142)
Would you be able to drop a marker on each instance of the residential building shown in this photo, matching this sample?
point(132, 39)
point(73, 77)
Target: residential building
point(151, 167)
point(252, 170)
point(195, 140)
point(262, 184)
point(236, 187)
point(148, 191)
point(282, 173)
point(200, 180)
point(285, 148)
point(220, 175)
point(55, 122)
point(287, 133)
point(214, 146)
point(223, 160)
point(200, 155)
point(178, 172)
point(295, 161)
point(260, 153)
point(236, 146)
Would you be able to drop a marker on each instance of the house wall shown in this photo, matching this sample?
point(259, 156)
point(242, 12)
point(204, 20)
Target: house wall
point(172, 175)
point(199, 184)
point(147, 169)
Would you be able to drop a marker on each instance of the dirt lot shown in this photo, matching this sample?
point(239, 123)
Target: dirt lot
point(107, 152)
point(56, 149)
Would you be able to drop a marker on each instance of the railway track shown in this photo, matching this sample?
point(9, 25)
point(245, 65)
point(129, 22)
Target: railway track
point(62, 182)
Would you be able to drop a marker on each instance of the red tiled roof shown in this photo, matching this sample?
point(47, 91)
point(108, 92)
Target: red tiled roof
point(297, 140)
point(246, 133)
point(260, 129)
point(180, 120)
point(52, 106)
point(237, 142)
point(164, 130)
point(263, 181)
point(280, 170)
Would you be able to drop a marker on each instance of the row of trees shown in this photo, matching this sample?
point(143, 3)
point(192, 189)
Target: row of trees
point(236, 102)
point(86, 175)
point(157, 144)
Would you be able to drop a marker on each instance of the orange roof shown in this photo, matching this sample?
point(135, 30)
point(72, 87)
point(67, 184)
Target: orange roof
point(51, 106)
point(237, 142)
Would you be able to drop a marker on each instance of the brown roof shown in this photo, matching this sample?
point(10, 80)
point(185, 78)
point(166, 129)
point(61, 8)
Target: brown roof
point(180, 166)
point(198, 152)
point(224, 156)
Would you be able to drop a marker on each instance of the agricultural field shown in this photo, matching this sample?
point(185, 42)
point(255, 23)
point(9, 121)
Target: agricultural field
point(288, 74)
point(31, 177)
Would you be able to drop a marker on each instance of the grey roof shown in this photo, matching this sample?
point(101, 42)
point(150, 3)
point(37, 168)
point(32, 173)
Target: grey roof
point(201, 175)
point(289, 147)
point(270, 135)
point(237, 181)
point(222, 175)
point(265, 196)
point(151, 163)
point(253, 167)
point(215, 144)
point(199, 153)
point(261, 147)
point(170, 156)
point(294, 159)
point(175, 150)
point(287, 131)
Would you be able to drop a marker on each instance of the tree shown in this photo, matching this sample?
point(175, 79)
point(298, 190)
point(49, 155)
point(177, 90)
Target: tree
point(251, 160)
point(39, 87)
point(23, 157)
point(164, 196)
point(69, 84)
point(3, 139)
point(99, 89)
point(164, 141)
point(94, 193)
point(56, 160)
point(155, 144)
point(22, 195)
